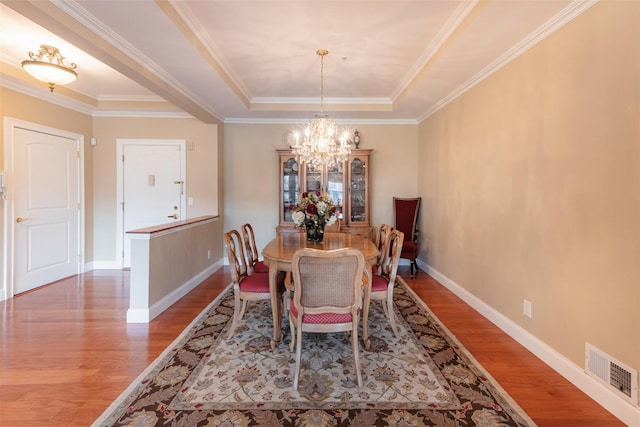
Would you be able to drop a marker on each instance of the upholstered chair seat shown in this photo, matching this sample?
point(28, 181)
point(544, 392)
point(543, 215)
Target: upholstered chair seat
point(321, 318)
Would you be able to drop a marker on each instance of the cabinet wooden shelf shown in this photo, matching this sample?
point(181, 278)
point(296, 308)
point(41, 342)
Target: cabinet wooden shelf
point(346, 183)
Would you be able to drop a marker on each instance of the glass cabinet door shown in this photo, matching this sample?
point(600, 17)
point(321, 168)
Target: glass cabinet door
point(313, 178)
point(358, 192)
point(290, 187)
point(335, 186)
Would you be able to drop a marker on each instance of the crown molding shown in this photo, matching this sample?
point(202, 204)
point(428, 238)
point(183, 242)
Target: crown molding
point(285, 121)
point(44, 95)
point(542, 32)
point(441, 37)
point(65, 102)
point(82, 16)
point(144, 114)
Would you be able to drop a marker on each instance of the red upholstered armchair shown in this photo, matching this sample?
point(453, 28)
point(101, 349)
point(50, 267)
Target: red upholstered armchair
point(405, 212)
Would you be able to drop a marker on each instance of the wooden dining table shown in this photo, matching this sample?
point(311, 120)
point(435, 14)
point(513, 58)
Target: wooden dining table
point(278, 255)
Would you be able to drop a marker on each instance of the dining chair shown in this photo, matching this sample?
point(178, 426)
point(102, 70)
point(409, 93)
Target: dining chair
point(382, 283)
point(254, 264)
point(380, 239)
point(246, 287)
point(405, 212)
point(327, 297)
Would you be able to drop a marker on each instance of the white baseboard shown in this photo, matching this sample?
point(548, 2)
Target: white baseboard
point(575, 374)
point(142, 315)
point(101, 265)
point(138, 315)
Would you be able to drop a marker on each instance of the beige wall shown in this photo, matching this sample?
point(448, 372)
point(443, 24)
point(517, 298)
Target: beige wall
point(27, 108)
point(531, 184)
point(202, 170)
point(251, 172)
point(178, 257)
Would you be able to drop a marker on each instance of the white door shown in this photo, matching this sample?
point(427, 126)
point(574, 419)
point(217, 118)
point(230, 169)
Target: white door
point(46, 208)
point(153, 186)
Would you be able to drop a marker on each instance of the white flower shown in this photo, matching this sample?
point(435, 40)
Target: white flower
point(332, 219)
point(322, 208)
point(298, 217)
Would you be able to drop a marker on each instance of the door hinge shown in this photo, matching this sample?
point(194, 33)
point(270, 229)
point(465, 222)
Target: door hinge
point(123, 157)
point(77, 154)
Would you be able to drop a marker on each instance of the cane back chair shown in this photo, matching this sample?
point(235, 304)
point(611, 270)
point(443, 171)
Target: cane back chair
point(327, 297)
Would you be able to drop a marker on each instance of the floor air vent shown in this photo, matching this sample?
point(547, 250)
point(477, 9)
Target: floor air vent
point(616, 375)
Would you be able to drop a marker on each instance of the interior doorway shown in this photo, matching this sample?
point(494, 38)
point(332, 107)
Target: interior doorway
point(151, 187)
point(43, 192)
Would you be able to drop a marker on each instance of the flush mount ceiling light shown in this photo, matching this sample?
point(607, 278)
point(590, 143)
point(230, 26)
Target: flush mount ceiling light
point(318, 144)
point(48, 66)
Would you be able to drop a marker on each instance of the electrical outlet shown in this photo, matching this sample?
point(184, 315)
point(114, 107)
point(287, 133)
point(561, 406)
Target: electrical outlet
point(527, 308)
point(208, 253)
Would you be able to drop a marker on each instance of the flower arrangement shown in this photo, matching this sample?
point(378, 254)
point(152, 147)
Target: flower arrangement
point(315, 210)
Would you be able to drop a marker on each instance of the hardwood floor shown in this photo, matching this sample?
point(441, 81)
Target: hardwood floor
point(67, 351)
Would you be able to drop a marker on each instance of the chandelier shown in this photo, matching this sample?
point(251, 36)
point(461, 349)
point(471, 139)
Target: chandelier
point(319, 144)
point(48, 71)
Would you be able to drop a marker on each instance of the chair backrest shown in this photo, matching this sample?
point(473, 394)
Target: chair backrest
point(405, 212)
point(235, 253)
point(393, 249)
point(250, 247)
point(380, 239)
point(328, 281)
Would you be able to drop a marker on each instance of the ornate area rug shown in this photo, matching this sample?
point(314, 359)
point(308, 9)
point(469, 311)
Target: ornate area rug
point(423, 377)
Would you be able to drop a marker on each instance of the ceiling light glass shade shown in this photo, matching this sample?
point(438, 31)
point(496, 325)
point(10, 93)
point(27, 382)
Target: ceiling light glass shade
point(319, 144)
point(42, 67)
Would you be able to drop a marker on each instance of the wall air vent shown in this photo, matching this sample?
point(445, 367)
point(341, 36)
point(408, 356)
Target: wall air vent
point(614, 374)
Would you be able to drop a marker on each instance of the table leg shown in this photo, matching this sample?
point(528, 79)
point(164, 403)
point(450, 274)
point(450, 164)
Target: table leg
point(365, 309)
point(275, 305)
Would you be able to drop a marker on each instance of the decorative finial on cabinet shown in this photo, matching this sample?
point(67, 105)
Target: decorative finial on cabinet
point(356, 138)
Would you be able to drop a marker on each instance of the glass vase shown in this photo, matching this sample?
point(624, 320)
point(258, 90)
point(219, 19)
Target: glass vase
point(315, 232)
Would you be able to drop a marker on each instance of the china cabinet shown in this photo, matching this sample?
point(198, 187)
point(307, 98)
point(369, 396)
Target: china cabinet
point(347, 184)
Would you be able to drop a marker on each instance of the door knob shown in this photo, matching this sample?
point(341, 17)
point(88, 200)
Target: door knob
point(174, 216)
point(19, 219)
